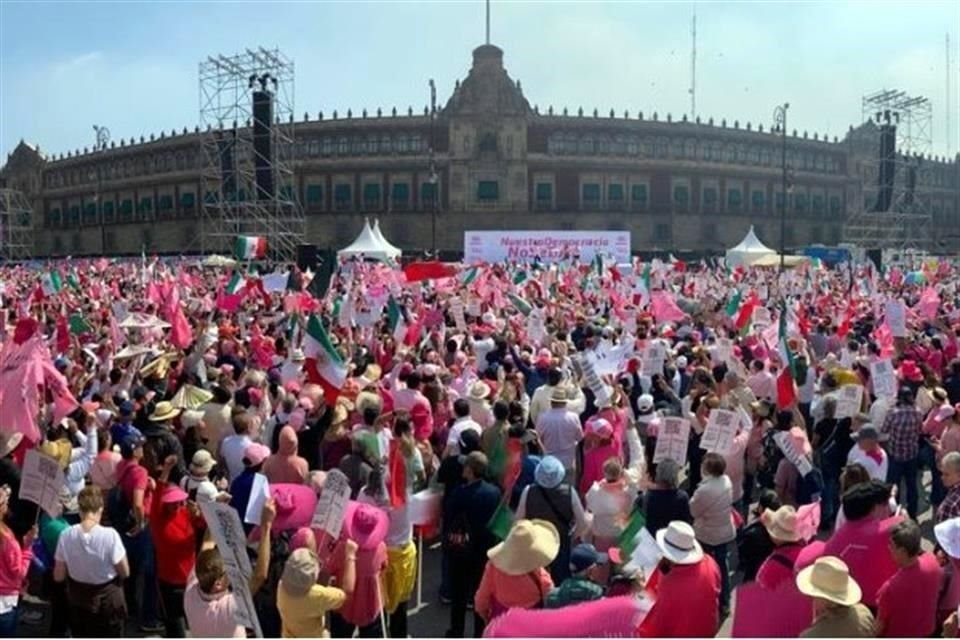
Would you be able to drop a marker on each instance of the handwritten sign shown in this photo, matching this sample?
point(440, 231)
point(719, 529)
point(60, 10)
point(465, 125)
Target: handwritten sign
point(720, 431)
point(227, 531)
point(536, 327)
point(884, 378)
point(474, 307)
point(601, 393)
point(849, 400)
point(896, 314)
point(789, 448)
point(41, 481)
point(672, 440)
point(456, 310)
point(332, 504)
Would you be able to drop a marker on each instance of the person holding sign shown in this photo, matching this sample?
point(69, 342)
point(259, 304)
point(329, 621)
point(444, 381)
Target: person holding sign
point(14, 562)
point(711, 509)
point(303, 603)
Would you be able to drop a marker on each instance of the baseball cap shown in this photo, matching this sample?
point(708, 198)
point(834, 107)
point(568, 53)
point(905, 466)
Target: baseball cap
point(130, 443)
point(585, 555)
point(126, 408)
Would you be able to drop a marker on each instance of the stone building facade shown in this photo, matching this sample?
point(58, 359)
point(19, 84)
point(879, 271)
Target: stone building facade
point(499, 162)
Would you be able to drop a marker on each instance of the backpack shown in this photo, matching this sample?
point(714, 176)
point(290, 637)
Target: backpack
point(809, 487)
point(118, 511)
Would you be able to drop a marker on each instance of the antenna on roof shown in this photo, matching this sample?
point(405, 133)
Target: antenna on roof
point(488, 21)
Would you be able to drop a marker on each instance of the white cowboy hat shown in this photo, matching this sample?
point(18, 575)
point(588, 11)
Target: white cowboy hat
point(829, 578)
point(479, 390)
point(948, 536)
point(782, 524)
point(678, 543)
point(530, 545)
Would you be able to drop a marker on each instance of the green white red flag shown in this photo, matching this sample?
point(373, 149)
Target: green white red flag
point(250, 247)
point(323, 365)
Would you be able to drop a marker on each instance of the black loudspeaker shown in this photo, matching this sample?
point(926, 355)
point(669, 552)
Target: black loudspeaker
point(876, 257)
point(262, 153)
point(885, 177)
point(226, 148)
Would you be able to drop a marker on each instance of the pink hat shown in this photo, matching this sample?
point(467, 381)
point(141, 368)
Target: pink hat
point(910, 372)
point(172, 493)
point(405, 369)
point(293, 387)
point(255, 453)
point(256, 396)
point(365, 524)
point(297, 419)
point(295, 505)
point(303, 539)
point(600, 427)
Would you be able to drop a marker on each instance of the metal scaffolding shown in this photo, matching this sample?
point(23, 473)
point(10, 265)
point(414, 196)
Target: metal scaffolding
point(236, 162)
point(16, 226)
point(894, 213)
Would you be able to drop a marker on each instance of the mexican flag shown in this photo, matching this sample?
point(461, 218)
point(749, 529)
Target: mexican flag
point(250, 247)
point(396, 322)
point(786, 390)
point(522, 305)
point(734, 303)
point(323, 364)
point(236, 284)
point(520, 277)
point(745, 315)
point(470, 275)
point(51, 283)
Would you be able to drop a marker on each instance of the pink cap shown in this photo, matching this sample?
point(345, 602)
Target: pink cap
point(172, 493)
point(600, 427)
point(255, 453)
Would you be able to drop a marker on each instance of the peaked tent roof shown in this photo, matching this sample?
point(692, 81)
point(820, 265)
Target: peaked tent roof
point(378, 234)
point(749, 250)
point(366, 244)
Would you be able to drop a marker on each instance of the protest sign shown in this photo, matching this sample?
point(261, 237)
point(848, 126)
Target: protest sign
point(720, 431)
point(259, 494)
point(456, 310)
point(896, 314)
point(672, 440)
point(761, 317)
point(474, 307)
point(849, 400)
point(227, 532)
point(544, 245)
point(40, 482)
point(789, 448)
point(600, 391)
point(884, 378)
point(332, 504)
point(609, 359)
point(651, 362)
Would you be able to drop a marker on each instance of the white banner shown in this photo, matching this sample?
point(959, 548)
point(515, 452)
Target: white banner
point(672, 440)
point(548, 246)
point(849, 401)
point(896, 314)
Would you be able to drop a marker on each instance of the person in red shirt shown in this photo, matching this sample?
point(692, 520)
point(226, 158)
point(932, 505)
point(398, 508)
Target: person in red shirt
point(174, 526)
point(907, 602)
point(685, 581)
point(784, 531)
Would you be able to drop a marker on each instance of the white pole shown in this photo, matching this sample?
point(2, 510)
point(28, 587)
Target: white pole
point(419, 570)
point(383, 612)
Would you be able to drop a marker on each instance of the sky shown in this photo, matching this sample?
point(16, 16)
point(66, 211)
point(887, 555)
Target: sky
point(133, 66)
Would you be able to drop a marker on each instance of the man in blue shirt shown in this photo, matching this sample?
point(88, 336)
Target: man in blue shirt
point(123, 428)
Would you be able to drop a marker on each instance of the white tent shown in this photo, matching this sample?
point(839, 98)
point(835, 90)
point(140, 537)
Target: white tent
point(367, 245)
point(748, 251)
point(378, 234)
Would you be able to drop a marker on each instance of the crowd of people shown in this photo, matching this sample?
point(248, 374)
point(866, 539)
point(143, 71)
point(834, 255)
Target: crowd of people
point(637, 450)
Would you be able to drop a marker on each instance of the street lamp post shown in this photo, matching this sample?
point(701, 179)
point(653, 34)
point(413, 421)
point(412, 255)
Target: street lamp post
point(780, 119)
point(434, 179)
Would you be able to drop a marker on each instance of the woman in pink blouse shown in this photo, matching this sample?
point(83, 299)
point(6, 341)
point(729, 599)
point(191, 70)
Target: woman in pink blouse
point(14, 563)
point(366, 525)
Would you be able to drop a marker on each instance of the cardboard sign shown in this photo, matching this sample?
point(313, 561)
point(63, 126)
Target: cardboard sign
point(884, 378)
point(332, 504)
point(896, 314)
point(456, 310)
point(600, 391)
point(720, 431)
point(672, 440)
point(227, 531)
point(259, 494)
point(849, 400)
point(794, 455)
point(41, 481)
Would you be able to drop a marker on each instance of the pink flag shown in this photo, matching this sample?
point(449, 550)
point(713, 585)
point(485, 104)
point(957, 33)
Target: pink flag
point(929, 303)
point(63, 401)
point(228, 303)
point(664, 307)
point(808, 520)
point(181, 335)
point(884, 337)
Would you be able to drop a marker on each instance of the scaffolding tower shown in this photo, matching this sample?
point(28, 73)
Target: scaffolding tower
point(894, 210)
point(247, 180)
point(16, 226)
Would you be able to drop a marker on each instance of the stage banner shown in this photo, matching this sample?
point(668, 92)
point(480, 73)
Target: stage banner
point(548, 246)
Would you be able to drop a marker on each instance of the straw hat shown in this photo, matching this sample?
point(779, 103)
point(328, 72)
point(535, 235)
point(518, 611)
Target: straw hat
point(202, 462)
point(479, 390)
point(782, 524)
point(829, 578)
point(300, 572)
point(678, 543)
point(372, 373)
point(530, 545)
point(368, 399)
point(164, 411)
point(10, 443)
point(558, 396)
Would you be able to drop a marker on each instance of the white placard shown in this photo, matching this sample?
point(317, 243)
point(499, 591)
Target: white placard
point(884, 378)
point(259, 494)
point(227, 532)
point(548, 246)
point(849, 400)
point(610, 359)
point(332, 505)
point(40, 482)
point(456, 310)
point(720, 431)
point(651, 362)
point(646, 555)
point(761, 317)
point(475, 307)
point(896, 314)
point(789, 448)
point(601, 393)
point(672, 439)
point(536, 327)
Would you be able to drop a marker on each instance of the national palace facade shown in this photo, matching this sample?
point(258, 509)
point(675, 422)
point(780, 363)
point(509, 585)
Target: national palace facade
point(500, 163)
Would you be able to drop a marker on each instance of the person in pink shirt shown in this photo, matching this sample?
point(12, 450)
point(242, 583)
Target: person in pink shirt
point(862, 541)
point(516, 574)
point(598, 447)
point(411, 401)
point(907, 602)
point(103, 472)
point(14, 563)
point(777, 569)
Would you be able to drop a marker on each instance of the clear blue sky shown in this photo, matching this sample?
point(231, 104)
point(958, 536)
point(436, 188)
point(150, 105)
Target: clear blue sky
point(132, 66)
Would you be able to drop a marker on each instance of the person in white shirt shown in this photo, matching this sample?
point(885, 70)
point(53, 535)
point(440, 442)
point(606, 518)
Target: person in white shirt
point(463, 422)
point(541, 400)
point(560, 431)
point(869, 453)
point(762, 382)
point(233, 447)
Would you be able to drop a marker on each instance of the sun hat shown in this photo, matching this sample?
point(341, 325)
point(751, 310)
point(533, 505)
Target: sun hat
point(479, 390)
point(300, 572)
point(9, 444)
point(202, 462)
point(164, 411)
point(172, 493)
point(367, 399)
point(372, 373)
point(549, 473)
point(530, 545)
point(948, 536)
point(829, 578)
point(365, 524)
point(782, 524)
point(297, 356)
point(558, 396)
point(678, 543)
point(295, 505)
point(255, 454)
point(599, 427)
